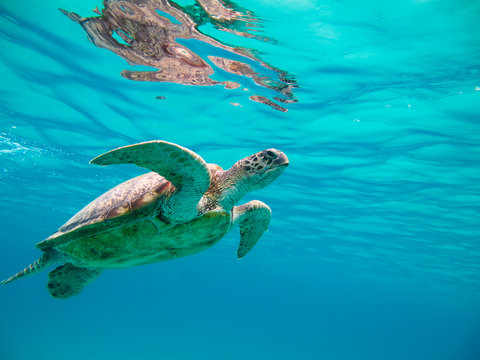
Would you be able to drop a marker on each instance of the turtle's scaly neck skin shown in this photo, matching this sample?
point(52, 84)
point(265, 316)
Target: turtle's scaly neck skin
point(251, 173)
point(228, 188)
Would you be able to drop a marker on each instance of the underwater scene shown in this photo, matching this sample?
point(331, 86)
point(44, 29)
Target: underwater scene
point(217, 179)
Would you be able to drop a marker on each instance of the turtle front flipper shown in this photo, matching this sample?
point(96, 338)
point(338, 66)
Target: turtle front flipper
point(253, 219)
point(186, 170)
point(68, 280)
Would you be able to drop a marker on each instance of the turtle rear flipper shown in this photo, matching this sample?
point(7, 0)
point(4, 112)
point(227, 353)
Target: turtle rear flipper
point(68, 280)
point(186, 170)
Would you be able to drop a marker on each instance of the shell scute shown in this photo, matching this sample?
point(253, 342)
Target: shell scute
point(126, 202)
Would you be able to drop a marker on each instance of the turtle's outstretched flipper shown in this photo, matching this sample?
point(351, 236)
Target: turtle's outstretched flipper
point(253, 219)
point(68, 280)
point(186, 170)
point(48, 257)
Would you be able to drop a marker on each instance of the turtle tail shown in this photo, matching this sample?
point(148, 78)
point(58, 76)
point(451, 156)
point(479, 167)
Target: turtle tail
point(49, 257)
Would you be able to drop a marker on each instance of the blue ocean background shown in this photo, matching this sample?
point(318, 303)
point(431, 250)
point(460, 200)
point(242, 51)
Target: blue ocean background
point(373, 251)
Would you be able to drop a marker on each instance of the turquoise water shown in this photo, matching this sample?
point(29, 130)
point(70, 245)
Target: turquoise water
point(373, 250)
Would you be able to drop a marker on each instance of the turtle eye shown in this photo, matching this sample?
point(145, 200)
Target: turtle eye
point(271, 154)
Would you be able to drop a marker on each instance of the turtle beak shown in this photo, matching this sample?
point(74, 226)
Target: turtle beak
point(281, 160)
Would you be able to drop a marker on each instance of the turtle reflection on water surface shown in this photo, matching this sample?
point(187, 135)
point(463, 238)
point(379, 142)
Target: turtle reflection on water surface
point(165, 37)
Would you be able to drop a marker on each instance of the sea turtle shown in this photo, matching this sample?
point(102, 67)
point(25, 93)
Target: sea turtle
point(180, 208)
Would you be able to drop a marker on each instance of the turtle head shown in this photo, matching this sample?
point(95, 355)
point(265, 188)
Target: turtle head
point(261, 169)
point(251, 173)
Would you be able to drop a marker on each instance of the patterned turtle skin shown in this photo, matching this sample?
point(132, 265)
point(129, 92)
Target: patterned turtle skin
point(182, 207)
